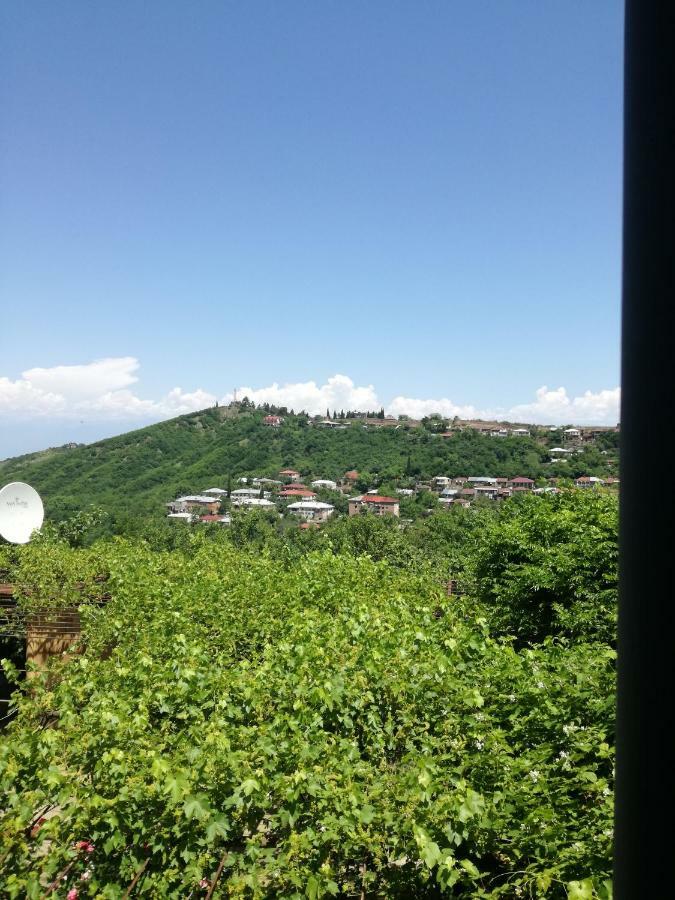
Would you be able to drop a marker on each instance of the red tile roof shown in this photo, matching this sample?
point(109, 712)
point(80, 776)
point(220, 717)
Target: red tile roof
point(352, 474)
point(521, 480)
point(295, 492)
point(373, 498)
point(288, 472)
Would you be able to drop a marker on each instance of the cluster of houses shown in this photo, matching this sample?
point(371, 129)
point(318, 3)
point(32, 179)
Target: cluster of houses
point(571, 436)
point(300, 500)
point(289, 495)
point(463, 490)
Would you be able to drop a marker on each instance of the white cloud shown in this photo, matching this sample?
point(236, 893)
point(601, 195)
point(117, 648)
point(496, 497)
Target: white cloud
point(338, 393)
point(554, 407)
point(101, 391)
point(85, 381)
point(418, 409)
point(98, 391)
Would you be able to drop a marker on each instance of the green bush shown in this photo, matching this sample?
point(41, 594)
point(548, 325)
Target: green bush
point(327, 725)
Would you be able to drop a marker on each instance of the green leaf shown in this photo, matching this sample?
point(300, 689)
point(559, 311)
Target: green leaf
point(580, 890)
point(217, 828)
point(469, 867)
point(195, 807)
point(367, 814)
point(248, 786)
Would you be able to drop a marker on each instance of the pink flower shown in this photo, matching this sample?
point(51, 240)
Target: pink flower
point(205, 883)
point(72, 894)
point(89, 847)
point(81, 845)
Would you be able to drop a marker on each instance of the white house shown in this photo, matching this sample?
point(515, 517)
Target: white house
point(449, 493)
point(324, 483)
point(217, 492)
point(440, 481)
point(191, 502)
point(312, 510)
point(489, 491)
point(259, 502)
point(242, 493)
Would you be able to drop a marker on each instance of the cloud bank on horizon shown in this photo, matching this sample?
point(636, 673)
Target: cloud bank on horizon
point(102, 391)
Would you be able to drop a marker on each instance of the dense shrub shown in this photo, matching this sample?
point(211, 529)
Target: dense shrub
point(548, 566)
point(329, 726)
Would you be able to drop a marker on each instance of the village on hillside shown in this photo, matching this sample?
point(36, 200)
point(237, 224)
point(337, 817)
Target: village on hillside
point(312, 499)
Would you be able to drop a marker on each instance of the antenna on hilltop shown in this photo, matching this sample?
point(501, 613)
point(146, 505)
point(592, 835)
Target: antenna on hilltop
point(235, 396)
point(21, 512)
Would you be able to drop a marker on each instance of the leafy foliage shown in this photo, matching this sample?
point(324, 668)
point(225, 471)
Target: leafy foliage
point(550, 567)
point(311, 716)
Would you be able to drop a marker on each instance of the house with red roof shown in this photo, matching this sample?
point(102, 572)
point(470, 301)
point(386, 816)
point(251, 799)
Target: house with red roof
point(521, 483)
point(586, 481)
point(297, 493)
point(273, 421)
point(291, 474)
point(375, 504)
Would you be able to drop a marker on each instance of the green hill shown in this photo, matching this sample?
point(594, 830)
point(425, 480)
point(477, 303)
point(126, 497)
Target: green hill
point(136, 472)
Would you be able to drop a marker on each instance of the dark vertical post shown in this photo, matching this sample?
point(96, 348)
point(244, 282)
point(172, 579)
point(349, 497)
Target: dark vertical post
point(644, 853)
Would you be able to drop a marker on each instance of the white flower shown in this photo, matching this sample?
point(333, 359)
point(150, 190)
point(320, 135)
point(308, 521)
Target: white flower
point(606, 791)
point(479, 745)
point(540, 684)
point(512, 698)
point(563, 754)
point(534, 774)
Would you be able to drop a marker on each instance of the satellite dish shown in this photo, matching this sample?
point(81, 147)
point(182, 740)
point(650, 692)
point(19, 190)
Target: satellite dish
point(21, 512)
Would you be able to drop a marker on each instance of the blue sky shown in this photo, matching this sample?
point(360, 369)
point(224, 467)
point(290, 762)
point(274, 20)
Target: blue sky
point(423, 197)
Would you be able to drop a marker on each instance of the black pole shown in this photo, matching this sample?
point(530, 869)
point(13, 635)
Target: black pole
point(644, 851)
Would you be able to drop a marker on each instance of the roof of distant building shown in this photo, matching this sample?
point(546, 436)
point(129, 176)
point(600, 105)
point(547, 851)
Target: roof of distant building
point(297, 492)
point(310, 504)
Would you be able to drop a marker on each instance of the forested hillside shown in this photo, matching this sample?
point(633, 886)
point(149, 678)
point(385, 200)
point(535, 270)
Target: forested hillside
point(138, 471)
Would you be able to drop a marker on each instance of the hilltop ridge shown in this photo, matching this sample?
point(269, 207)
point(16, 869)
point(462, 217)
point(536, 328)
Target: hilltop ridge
point(137, 471)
